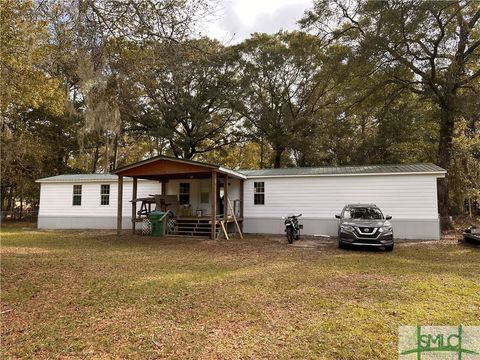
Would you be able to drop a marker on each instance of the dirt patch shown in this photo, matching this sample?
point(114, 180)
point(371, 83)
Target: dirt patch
point(306, 241)
point(315, 242)
point(24, 250)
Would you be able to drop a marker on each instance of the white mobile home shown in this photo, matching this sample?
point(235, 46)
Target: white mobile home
point(87, 201)
point(199, 194)
point(406, 192)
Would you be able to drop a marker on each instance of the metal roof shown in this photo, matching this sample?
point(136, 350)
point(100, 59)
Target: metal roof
point(347, 170)
point(287, 172)
point(79, 177)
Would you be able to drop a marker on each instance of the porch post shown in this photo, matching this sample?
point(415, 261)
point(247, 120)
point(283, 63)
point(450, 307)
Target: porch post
point(225, 197)
point(134, 205)
point(241, 197)
point(119, 204)
point(213, 203)
point(164, 187)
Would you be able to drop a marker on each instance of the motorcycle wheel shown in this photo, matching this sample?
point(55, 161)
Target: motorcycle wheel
point(290, 235)
point(297, 235)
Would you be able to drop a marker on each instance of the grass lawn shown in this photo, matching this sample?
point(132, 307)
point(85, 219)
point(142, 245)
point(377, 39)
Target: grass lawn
point(75, 294)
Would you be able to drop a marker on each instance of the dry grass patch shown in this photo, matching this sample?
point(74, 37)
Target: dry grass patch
point(95, 295)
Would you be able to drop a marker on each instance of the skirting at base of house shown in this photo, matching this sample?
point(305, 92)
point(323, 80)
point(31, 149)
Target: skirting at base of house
point(82, 222)
point(402, 228)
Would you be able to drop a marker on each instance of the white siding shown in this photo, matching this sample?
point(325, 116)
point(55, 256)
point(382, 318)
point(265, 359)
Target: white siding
point(402, 196)
point(56, 198)
point(410, 199)
point(173, 188)
point(234, 190)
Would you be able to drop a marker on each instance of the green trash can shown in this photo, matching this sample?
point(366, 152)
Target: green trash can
point(157, 219)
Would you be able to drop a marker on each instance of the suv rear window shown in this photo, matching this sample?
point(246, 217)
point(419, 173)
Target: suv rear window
point(364, 213)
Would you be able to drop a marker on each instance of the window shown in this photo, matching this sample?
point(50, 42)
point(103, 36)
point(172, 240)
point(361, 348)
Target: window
point(184, 194)
point(104, 194)
point(236, 208)
point(77, 195)
point(259, 193)
point(364, 213)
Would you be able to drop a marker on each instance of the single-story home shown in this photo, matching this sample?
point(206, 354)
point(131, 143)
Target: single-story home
point(200, 195)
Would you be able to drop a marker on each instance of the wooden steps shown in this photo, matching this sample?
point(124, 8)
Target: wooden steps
point(200, 226)
point(192, 227)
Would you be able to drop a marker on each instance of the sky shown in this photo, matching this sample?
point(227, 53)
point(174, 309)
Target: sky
point(235, 20)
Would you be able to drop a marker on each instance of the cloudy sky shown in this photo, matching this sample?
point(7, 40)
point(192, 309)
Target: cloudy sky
point(235, 20)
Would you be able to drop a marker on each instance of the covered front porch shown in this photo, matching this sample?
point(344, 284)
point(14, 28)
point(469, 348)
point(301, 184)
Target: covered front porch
point(200, 197)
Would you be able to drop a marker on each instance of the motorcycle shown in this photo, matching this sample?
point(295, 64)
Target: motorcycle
point(292, 227)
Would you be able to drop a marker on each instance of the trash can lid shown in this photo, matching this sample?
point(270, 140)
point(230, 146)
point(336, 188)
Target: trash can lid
point(155, 214)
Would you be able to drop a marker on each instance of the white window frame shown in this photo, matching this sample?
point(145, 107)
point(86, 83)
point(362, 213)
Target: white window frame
point(77, 195)
point(255, 192)
point(105, 195)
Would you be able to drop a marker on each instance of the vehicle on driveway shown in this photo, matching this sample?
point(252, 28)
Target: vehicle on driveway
point(364, 225)
point(472, 235)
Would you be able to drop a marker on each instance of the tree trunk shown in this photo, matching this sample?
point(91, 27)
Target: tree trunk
point(445, 146)
point(2, 195)
point(115, 153)
point(302, 159)
point(11, 201)
point(174, 148)
point(106, 170)
point(278, 157)
point(262, 154)
point(95, 160)
point(21, 206)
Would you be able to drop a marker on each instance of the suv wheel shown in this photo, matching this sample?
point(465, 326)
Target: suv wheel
point(389, 248)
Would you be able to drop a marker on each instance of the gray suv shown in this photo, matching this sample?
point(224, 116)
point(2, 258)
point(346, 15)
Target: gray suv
point(365, 225)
